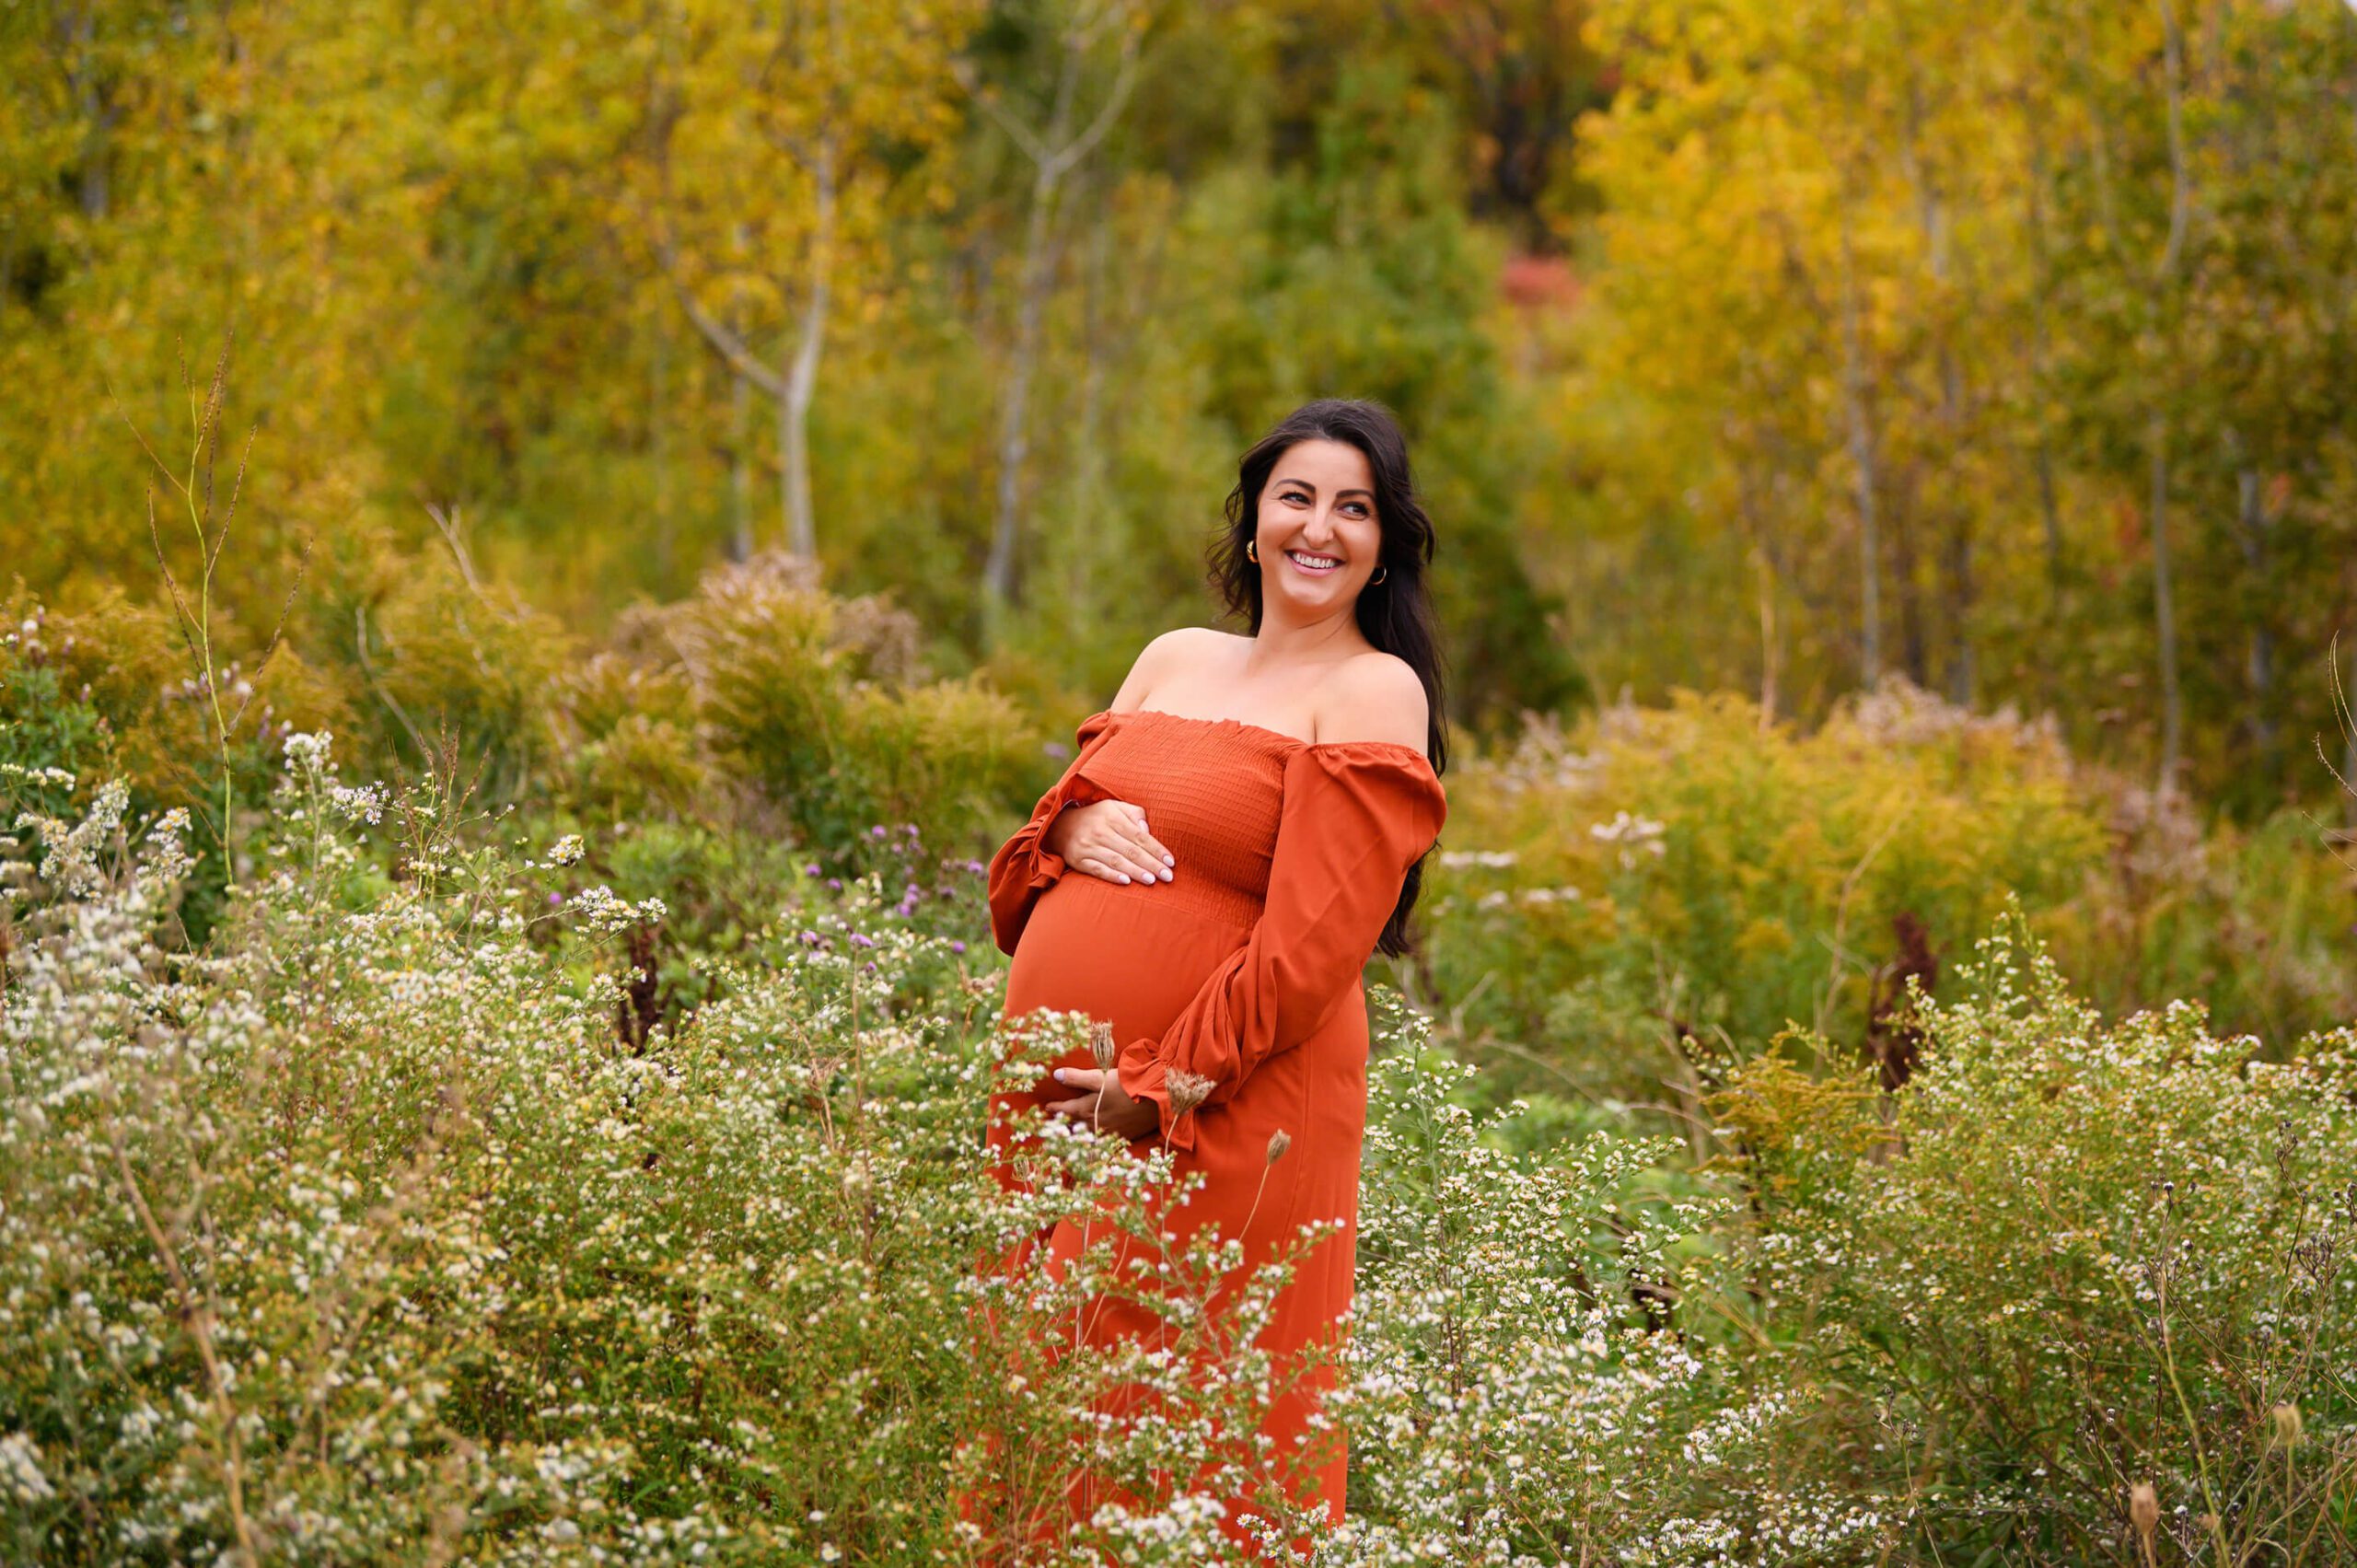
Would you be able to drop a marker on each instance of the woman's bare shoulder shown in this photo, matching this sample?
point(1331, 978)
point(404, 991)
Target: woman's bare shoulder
point(1375, 696)
point(1174, 650)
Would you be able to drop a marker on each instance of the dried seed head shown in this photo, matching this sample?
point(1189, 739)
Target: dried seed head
point(2288, 1428)
point(1279, 1142)
point(1187, 1091)
point(2144, 1508)
point(1100, 1045)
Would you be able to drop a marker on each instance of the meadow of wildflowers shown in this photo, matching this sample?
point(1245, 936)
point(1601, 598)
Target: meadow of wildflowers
point(399, 1223)
point(569, 1150)
point(386, 1228)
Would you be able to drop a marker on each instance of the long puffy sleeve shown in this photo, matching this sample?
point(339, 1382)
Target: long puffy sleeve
point(1356, 816)
point(1023, 868)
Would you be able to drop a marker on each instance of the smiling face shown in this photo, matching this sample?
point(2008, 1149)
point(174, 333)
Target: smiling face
point(1319, 540)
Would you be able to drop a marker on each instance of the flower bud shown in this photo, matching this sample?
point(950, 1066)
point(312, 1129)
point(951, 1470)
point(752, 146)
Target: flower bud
point(1100, 1045)
point(1279, 1142)
point(1187, 1091)
point(2144, 1508)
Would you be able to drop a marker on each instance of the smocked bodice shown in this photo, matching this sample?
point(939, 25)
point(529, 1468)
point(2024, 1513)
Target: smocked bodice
point(1212, 791)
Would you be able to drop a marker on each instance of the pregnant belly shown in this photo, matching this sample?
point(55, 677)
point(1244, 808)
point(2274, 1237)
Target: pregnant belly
point(1132, 956)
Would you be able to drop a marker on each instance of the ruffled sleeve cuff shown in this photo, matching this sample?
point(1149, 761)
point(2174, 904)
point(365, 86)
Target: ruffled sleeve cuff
point(1144, 1077)
point(1035, 863)
point(1023, 866)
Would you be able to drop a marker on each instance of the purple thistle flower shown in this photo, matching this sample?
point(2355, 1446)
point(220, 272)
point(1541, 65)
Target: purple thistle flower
point(956, 947)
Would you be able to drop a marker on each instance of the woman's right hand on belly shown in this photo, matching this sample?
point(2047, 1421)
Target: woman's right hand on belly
point(1109, 839)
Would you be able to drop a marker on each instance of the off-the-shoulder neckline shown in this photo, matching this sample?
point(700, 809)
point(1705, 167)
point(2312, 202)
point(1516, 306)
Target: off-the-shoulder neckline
point(1292, 742)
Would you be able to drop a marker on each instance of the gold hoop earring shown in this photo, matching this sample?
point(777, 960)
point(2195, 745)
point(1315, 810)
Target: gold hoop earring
point(1252, 550)
point(1380, 573)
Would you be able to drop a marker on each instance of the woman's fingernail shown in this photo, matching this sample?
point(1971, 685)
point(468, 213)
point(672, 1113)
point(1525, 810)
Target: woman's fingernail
point(1060, 1077)
point(1125, 879)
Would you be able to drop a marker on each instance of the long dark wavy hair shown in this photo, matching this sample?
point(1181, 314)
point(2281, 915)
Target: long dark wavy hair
point(1395, 614)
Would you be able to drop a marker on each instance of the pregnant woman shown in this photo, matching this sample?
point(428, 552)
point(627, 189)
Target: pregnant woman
point(1235, 837)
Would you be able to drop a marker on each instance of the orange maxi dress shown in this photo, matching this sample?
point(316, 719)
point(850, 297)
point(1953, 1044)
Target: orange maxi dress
point(1244, 970)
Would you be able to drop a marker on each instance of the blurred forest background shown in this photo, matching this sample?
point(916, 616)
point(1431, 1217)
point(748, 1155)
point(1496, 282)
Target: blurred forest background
point(1768, 348)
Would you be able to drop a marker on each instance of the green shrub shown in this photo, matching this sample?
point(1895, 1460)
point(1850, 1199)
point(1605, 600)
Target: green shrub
point(813, 703)
point(442, 660)
point(1653, 874)
point(2070, 1259)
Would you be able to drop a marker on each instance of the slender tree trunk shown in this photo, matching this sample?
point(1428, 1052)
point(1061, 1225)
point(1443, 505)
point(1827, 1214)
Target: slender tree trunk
point(2255, 526)
point(1054, 153)
point(2165, 608)
point(1013, 435)
point(1963, 669)
point(1955, 558)
point(2049, 508)
point(1091, 463)
point(659, 432)
point(1091, 455)
point(802, 372)
point(95, 191)
point(1754, 531)
point(740, 431)
point(1904, 514)
point(1862, 467)
point(740, 467)
point(2049, 511)
point(2165, 275)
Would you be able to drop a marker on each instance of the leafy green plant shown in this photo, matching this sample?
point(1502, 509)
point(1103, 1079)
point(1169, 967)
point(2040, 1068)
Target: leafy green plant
point(2071, 1259)
point(1629, 907)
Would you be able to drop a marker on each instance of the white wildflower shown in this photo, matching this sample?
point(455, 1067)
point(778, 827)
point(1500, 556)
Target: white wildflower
point(21, 1473)
point(362, 804)
point(308, 751)
point(71, 862)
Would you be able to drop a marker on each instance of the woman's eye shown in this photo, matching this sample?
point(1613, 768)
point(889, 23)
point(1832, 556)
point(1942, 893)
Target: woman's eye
point(1292, 495)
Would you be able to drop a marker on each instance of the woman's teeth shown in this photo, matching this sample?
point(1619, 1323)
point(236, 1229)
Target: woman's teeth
point(1308, 563)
